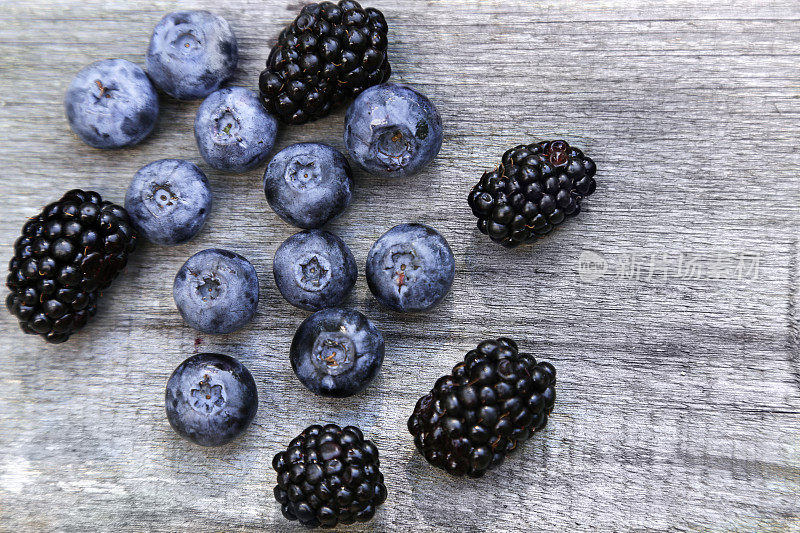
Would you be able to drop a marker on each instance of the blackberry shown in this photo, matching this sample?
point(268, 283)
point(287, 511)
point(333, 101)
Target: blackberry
point(535, 188)
point(329, 54)
point(489, 404)
point(329, 475)
point(65, 256)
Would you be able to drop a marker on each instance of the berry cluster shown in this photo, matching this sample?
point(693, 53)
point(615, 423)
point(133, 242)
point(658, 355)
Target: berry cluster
point(535, 188)
point(329, 54)
point(488, 405)
point(66, 255)
point(329, 475)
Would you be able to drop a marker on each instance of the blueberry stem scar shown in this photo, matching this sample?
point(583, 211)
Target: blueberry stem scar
point(102, 89)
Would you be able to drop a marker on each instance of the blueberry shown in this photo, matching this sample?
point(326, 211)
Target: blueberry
point(191, 54)
point(233, 130)
point(410, 268)
point(336, 352)
point(392, 130)
point(168, 201)
point(216, 291)
point(111, 104)
point(210, 399)
point(308, 184)
point(314, 269)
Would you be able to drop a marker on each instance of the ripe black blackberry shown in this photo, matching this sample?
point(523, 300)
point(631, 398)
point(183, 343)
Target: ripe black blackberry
point(329, 475)
point(329, 54)
point(535, 188)
point(66, 255)
point(489, 404)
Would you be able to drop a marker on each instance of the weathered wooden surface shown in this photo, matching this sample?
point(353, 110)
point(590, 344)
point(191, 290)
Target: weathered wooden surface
point(679, 365)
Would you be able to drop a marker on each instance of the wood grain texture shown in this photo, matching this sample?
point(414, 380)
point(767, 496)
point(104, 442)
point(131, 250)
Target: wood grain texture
point(679, 364)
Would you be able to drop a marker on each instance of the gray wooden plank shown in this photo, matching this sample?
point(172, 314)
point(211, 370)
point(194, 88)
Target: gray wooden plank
point(679, 376)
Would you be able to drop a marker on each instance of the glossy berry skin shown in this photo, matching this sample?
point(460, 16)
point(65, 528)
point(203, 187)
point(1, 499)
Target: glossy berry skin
point(535, 189)
point(191, 54)
point(484, 409)
point(216, 291)
point(329, 54)
point(410, 268)
point(211, 399)
point(111, 104)
point(168, 201)
point(336, 352)
point(392, 130)
point(329, 475)
point(314, 269)
point(308, 184)
point(67, 254)
point(233, 131)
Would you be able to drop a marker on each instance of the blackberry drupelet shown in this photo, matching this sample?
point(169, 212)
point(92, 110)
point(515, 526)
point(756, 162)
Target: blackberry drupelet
point(535, 188)
point(488, 405)
point(329, 475)
point(329, 54)
point(66, 255)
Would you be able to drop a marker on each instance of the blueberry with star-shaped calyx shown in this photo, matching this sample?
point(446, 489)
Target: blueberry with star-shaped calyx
point(210, 399)
point(336, 352)
point(314, 269)
point(410, 268)
point(169, 201)
point(308, 184)
point(216, 291)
